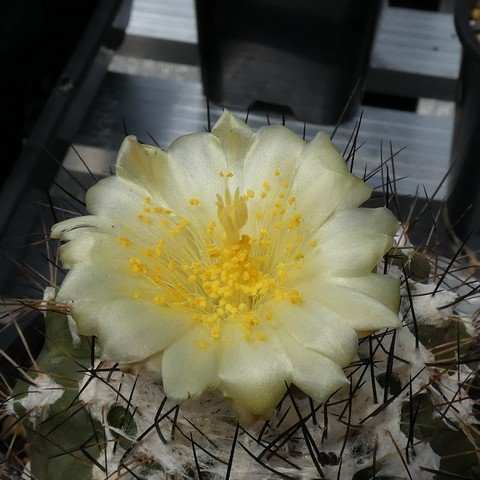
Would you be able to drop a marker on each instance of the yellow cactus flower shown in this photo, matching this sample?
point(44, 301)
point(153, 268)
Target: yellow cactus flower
point(234, 260)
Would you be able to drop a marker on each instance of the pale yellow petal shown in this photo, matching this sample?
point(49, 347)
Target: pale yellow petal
point(349, 254)
point(274, 148)
point(320, 191)
point(318, 329)
point(315, 374)
point(77, 250)
point(130, 331)
point(372, 220)
point(189, 366)
point(78, 226)
point(359, 310)
point(141, 164)
point(359, 194)
point(253, 372)
point(87, 282)
point(113, 252)
point(195, 162)
point(103, 304)
point(189, 169)
point(322, 150)
point(384, 288)
point(117, 199)
point(236, 138)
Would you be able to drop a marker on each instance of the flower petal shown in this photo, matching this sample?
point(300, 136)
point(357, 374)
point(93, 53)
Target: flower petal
point(274, 148)
point(141, 164)
point(323, 151)
point(253, 373)
point(188, 169)
point(359, 310)
point(320, 191)
point(372, 220)
point(314, 374)
point(349, 254)
point(77, 226)
point(117, 199)
point(128, 330)
point(236, 138)
point(384, 288)
point(188, 366)
point(318, 329)
point(88, 283)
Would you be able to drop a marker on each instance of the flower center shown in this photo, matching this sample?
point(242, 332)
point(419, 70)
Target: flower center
point(227, 276)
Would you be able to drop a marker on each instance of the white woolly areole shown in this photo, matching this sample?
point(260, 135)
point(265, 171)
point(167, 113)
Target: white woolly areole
point(430, 308)
point(49, 294)
point(73, 328)
point(40, 396)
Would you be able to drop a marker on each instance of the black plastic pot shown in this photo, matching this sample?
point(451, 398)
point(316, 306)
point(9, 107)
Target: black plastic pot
point(305, 55)
point(463, 203)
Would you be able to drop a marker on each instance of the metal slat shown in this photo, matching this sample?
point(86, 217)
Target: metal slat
point(417, 42)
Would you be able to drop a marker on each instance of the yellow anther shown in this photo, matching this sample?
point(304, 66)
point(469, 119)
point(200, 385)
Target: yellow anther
point(124, 242)
point(268, 316)
point(148, 200)
point(144, 218)
point(250, 193)
point(277, 173)
point(298, 256)
point(296, 298)
point(136, 295)
point(215, 333)
point(281, 195)
point(137, 265)
point(193, 201)
point(291, 200)
point(211, 229)
point(285, 184)
point(258, 214)
point(229, 174)
point(263, 194)
point(277, 225)
point(202, 345)
point(261, 336)
point(266, 186)
point(192, 278)
point(294, 221)
point(278, 204)
point(313, 243)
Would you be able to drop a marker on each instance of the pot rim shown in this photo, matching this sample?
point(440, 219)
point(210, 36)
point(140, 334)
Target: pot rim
point(464, 30)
